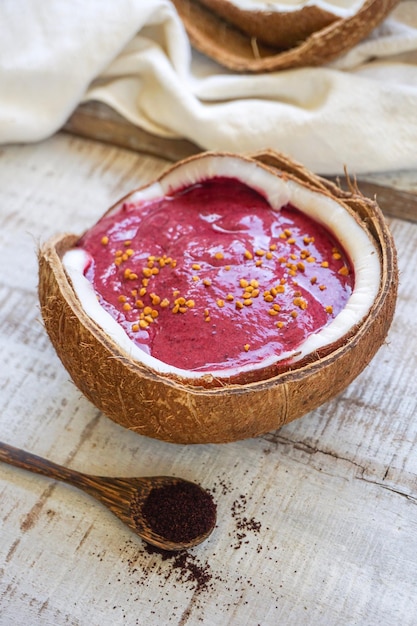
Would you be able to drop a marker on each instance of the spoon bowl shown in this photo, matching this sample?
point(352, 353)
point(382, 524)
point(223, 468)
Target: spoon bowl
point(167, 512)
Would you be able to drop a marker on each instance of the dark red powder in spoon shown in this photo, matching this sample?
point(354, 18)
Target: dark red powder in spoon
point(179, 512)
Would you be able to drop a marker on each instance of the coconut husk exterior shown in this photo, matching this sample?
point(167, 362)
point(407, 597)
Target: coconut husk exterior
point(274, 28)
point(249, 47)
point(176, 411)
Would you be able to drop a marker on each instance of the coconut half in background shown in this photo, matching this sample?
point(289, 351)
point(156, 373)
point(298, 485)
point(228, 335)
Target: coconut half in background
point(224, 403)
point(260, 36)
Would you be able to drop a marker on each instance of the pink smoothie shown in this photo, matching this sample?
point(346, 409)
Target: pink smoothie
point(212, 277)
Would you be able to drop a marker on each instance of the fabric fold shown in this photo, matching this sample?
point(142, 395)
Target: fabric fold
point(358, 112)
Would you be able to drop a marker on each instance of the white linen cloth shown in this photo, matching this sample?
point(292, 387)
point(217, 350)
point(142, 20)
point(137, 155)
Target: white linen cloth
point(359, 111)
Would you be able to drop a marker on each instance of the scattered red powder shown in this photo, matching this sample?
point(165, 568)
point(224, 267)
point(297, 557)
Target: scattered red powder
point(187, 567)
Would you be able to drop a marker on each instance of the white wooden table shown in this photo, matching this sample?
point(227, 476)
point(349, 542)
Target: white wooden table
point(317, 522)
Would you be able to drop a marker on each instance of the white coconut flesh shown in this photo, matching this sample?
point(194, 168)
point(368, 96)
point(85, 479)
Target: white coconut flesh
point(339, 8)
point(278, 191)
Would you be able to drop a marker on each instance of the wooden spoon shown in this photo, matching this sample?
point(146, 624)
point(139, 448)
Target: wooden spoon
point(126, 497)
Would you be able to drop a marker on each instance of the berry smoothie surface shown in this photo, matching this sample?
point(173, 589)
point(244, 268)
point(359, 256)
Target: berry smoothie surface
point(212, 277)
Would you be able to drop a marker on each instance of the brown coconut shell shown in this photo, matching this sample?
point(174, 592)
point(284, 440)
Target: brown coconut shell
point(260, 41)
point(178, 411)
point(279, 29)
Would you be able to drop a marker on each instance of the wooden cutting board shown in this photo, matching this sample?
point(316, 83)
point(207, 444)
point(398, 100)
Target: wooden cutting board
point(97, 121)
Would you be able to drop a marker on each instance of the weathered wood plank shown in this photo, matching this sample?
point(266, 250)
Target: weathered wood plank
point(316, 522)
point(95, 120)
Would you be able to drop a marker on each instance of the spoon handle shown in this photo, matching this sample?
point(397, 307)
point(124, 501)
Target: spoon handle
point(33, 463)
point(115, 493)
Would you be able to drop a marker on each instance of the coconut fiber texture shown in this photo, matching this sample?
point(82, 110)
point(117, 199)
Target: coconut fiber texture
point(259, 41)
point(174, 410)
